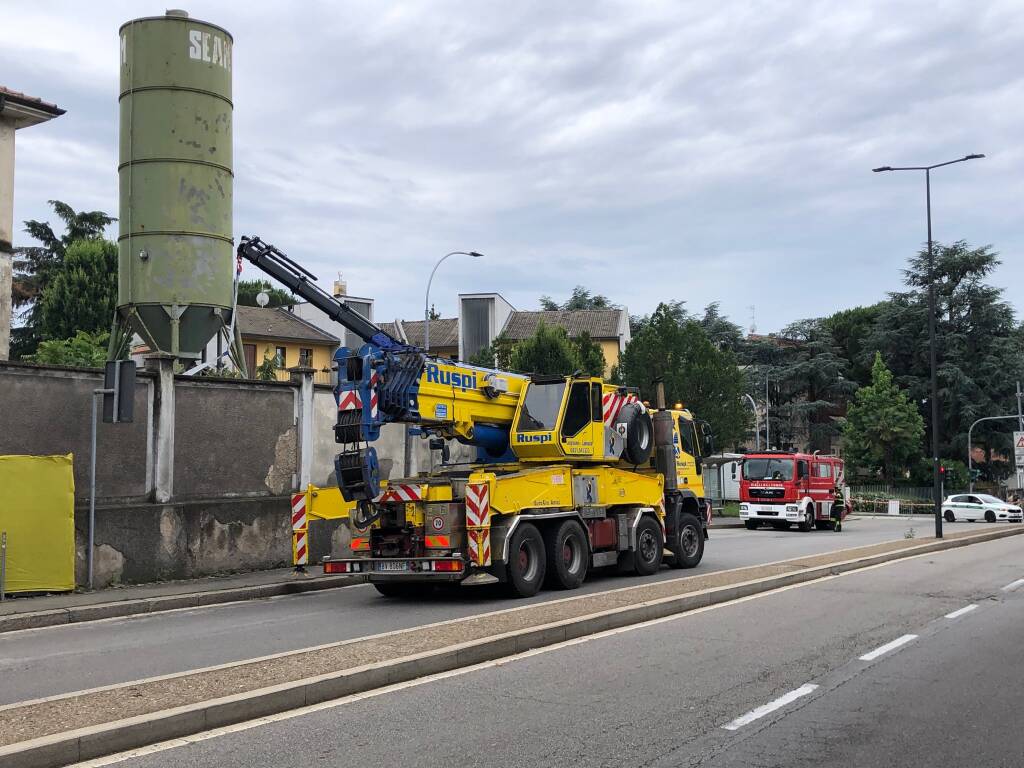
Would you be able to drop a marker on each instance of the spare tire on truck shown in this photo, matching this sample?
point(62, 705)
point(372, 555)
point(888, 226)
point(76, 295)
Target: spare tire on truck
point(639, 433)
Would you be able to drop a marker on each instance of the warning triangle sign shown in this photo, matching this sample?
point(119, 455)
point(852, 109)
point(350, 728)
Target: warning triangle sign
point(1020, 440)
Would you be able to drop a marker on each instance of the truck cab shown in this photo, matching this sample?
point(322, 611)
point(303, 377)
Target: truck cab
point(782, 488)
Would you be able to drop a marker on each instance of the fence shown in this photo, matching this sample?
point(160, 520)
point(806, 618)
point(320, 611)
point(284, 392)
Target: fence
point(913, 499)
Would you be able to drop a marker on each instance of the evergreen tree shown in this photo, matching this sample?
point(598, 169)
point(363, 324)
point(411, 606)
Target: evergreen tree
point(696, 373)
point(581, 298)
point(248, 290)
point(589, 354)
point(548, 351)
point(82, 295)
point(883, 430)
point(84, 349)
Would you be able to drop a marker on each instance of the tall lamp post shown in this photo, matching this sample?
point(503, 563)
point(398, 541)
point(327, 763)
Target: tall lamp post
point(933, 354)
point(426, 302)
point(757, 423)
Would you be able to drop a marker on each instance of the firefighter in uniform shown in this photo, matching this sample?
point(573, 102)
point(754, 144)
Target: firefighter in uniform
point(836, 513)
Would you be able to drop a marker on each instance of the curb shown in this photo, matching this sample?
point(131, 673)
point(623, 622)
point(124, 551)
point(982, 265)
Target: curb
point(119, 608)
point(109, 738)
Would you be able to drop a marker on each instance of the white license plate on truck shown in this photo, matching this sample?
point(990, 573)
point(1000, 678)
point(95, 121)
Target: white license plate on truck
point(391, 565)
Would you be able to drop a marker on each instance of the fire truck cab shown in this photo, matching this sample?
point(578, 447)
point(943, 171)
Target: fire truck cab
point(782, 488)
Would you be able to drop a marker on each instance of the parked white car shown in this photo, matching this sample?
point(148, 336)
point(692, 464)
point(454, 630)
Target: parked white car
point(979, 506)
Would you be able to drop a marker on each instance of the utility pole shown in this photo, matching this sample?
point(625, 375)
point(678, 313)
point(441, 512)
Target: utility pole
point(767, 421)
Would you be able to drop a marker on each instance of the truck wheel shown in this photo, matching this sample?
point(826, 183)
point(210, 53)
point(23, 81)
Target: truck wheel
point(645, 560)
point(526, 561)
point(752, 525)
point(687, 545)
point(807, 524)
point(568, 555)
point(401, 589)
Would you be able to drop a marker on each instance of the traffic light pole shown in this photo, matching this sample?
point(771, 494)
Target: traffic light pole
point(970, 451)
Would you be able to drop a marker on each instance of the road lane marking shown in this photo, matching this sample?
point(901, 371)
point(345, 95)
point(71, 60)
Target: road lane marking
point(1013, 585)
point(884, 649)
point(771, 706)
point(961, 611)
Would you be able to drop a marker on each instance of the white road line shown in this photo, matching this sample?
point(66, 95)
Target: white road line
point(1013, 585)
point(771, 706)
point(961, 611)
point(881, 650)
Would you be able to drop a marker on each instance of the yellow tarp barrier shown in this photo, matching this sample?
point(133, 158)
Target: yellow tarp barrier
point(37, 510)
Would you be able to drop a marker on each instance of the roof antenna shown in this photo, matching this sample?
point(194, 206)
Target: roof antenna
point(753, 320)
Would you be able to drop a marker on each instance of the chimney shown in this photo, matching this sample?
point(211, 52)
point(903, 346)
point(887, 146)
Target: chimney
point(340, 287)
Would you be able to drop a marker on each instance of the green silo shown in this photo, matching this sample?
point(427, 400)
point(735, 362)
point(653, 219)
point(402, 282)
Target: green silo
point(175, 245)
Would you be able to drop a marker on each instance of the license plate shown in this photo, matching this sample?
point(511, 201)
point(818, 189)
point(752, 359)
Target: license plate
point(391, 565)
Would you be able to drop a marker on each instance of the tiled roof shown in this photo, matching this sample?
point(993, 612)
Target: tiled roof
point(444, 332)
point(599, 323)
point(17, 97)
point(279, 323)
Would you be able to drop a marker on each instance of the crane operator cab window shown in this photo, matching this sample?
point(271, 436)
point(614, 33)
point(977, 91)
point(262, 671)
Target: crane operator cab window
point(540, 409)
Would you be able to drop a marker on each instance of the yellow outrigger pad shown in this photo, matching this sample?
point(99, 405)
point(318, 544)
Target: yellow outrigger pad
point(37, 511)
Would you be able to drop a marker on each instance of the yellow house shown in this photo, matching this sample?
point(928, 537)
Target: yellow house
point(608, 328)
point(274, 333)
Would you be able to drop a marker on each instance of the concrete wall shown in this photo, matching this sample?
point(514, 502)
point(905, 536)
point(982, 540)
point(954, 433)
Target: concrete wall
point(200, 482)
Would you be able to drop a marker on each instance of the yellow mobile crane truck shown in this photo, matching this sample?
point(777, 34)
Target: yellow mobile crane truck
point(572, 472)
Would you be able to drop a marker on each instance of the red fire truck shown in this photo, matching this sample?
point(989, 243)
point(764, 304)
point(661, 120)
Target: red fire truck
point(782, 488)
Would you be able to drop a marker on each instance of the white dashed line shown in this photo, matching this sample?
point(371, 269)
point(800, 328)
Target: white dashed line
point(881, 650)
point(771, 706)
point(1013, 585)
point(961, 611)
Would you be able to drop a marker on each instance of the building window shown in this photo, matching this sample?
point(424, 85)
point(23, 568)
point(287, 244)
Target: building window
point(281, 357)
point(306, 356)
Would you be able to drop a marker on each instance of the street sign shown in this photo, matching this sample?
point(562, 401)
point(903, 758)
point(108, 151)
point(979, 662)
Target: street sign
point(1018, 448)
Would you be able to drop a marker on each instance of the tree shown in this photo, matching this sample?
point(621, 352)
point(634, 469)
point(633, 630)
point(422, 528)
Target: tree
point(581, 298)
point(248, 290)
point(980, 346)
point(883, 429)
point(36, 266)
point(696, 373)
point(548, 351)
point(723, 333)
point(82, 295)
point(84, 349)
point(589, 354)
point(434, 314)
point(497, 354)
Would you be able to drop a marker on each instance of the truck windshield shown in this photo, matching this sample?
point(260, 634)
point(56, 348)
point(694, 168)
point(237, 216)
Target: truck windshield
point(768, 469)
point(540, 409)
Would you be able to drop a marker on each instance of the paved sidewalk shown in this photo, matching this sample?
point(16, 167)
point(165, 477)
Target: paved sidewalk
point(67, 608)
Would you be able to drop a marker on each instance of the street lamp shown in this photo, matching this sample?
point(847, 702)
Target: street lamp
point(426, 303)
point(933, 355)
point(757, 423)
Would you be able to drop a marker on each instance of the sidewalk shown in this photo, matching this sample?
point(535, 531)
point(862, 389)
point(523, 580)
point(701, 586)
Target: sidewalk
point(71, 607)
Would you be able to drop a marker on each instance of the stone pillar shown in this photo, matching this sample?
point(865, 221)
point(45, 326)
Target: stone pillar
point(163, 427)
point(6, 232)
point(302, 376)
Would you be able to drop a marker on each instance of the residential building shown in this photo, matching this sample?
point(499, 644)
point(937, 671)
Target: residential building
point(444, 335)
point(275, 333)
point(609, 328)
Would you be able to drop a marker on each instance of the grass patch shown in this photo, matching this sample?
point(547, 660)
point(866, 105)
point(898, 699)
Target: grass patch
point(731, 509)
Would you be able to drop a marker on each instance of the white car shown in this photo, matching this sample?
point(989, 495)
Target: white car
point(979, 506)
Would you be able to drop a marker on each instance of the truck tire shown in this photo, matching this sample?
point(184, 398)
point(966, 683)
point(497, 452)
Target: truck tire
point(687, 546)
point(526, 562)
point(639, 439)
point(807, 523)
point(568, 555)
point(645, 560)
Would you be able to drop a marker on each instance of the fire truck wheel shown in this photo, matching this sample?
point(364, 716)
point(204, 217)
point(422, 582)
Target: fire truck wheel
point(752, 525)
point(688, 544)
point(807, 524)
point(645, 560)
point(526, 561)
point(568, 555)
point(402, 589)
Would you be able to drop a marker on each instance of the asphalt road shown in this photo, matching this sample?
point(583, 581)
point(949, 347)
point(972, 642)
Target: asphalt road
point(693, 690)
point(46, 662)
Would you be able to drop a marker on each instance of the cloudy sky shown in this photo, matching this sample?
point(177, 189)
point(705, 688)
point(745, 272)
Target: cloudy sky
point(703, 151)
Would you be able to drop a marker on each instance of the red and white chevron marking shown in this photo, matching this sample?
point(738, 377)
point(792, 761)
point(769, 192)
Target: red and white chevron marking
point(478, 505)
point(480, 546)
point(349, 400)
point(300, 548)
point(612, 403)
point(374, 378)
point(299, 512)
point(402, 493)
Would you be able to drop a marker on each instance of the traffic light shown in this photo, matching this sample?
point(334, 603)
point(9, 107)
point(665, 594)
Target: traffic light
point(975, 474)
